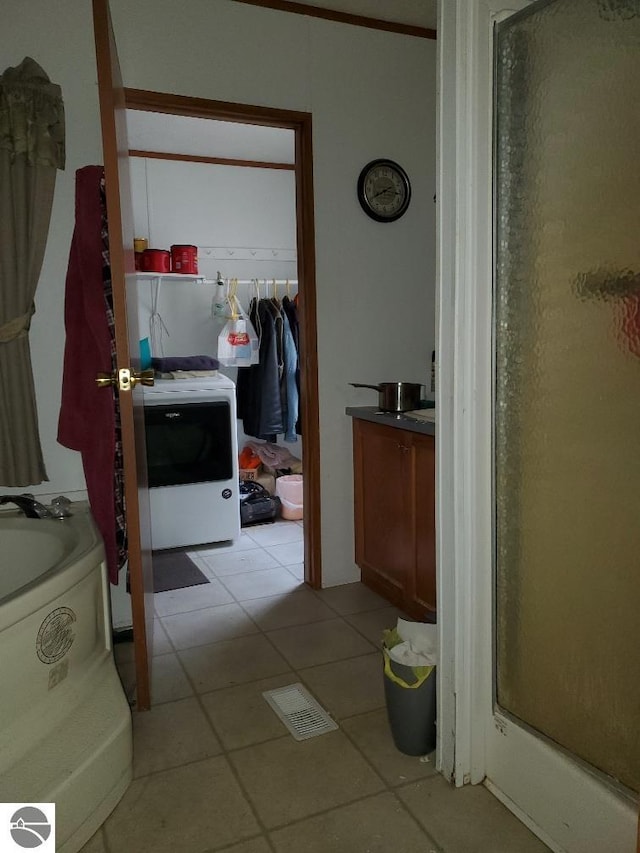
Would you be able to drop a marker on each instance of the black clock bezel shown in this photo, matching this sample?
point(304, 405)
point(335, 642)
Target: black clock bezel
point(362, 196)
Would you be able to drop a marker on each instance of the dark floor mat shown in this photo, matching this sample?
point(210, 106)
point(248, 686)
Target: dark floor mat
point(174, 570)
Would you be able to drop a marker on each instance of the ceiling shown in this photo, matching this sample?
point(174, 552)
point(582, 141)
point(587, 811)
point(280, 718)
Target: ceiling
point(417, 13)
point(201, 137)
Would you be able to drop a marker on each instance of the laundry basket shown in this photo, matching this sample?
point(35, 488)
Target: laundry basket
point(289, 490)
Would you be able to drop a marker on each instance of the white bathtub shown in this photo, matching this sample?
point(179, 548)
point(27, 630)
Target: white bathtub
point(65, 724)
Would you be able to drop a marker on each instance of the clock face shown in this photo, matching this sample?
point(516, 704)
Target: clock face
point(384, 191)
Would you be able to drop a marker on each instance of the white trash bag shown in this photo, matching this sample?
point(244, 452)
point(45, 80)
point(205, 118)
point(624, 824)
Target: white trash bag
point(238, 343)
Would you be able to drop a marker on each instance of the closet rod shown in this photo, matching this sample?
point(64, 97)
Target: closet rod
point(285, 281)
point(264, 280)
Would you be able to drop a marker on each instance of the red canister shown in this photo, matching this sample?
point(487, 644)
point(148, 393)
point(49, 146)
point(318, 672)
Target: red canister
point(155, 260)
point(184, 259)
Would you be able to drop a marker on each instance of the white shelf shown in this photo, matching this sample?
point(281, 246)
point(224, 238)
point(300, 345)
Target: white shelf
point(173, 276)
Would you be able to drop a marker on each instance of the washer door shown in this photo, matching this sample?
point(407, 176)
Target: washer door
point(188, 443)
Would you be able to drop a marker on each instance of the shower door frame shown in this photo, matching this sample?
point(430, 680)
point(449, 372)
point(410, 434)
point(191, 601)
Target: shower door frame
point(568, 806)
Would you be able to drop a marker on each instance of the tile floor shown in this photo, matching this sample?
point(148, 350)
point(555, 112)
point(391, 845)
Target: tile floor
point(216, 770)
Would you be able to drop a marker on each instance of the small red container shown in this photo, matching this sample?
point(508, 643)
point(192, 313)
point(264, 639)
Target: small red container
point(184, 259)
point(155, 260)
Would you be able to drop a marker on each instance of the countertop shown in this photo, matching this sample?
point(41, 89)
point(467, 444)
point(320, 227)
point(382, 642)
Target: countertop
point(400, 421)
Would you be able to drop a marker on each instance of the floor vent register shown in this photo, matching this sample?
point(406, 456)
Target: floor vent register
point(299, 711)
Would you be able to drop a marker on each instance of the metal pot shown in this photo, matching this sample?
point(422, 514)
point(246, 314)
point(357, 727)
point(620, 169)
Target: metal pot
point(395, 396)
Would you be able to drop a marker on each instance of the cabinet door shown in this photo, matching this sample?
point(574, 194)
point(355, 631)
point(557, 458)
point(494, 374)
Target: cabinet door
point(384, 544)
point(424, 580)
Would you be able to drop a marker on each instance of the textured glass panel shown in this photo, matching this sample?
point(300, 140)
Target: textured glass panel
point(567, 360)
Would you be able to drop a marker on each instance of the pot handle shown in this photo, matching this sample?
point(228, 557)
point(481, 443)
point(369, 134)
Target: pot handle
point(360, 385)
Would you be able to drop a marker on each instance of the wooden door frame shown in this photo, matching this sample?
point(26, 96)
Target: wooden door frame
point(301, 124)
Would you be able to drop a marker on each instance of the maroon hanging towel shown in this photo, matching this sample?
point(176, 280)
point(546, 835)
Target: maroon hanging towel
point(89, 420)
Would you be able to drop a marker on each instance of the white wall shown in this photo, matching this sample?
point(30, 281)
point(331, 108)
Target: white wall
point(59, 37)
point(372, 94)
point(218, 207)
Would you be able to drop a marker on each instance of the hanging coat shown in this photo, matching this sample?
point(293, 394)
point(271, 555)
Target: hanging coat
point(290, 376)
point(290, 309)
point(258, 387)
point(89, 416)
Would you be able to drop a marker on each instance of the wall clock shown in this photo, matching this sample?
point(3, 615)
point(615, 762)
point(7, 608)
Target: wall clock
point(384, 191)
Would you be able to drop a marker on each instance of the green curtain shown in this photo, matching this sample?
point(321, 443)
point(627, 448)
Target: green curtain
point(31, 150)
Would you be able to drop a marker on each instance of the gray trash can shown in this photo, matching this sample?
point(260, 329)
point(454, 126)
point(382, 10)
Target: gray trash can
point(411, 710)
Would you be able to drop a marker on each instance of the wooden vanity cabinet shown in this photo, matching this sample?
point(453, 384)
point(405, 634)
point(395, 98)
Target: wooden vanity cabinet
point(394, 499)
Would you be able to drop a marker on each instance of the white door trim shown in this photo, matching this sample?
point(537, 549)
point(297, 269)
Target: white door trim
point(464, 388)
point(447, 713)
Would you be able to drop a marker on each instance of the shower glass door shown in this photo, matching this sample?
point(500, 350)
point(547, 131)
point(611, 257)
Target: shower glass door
point(567, 379)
